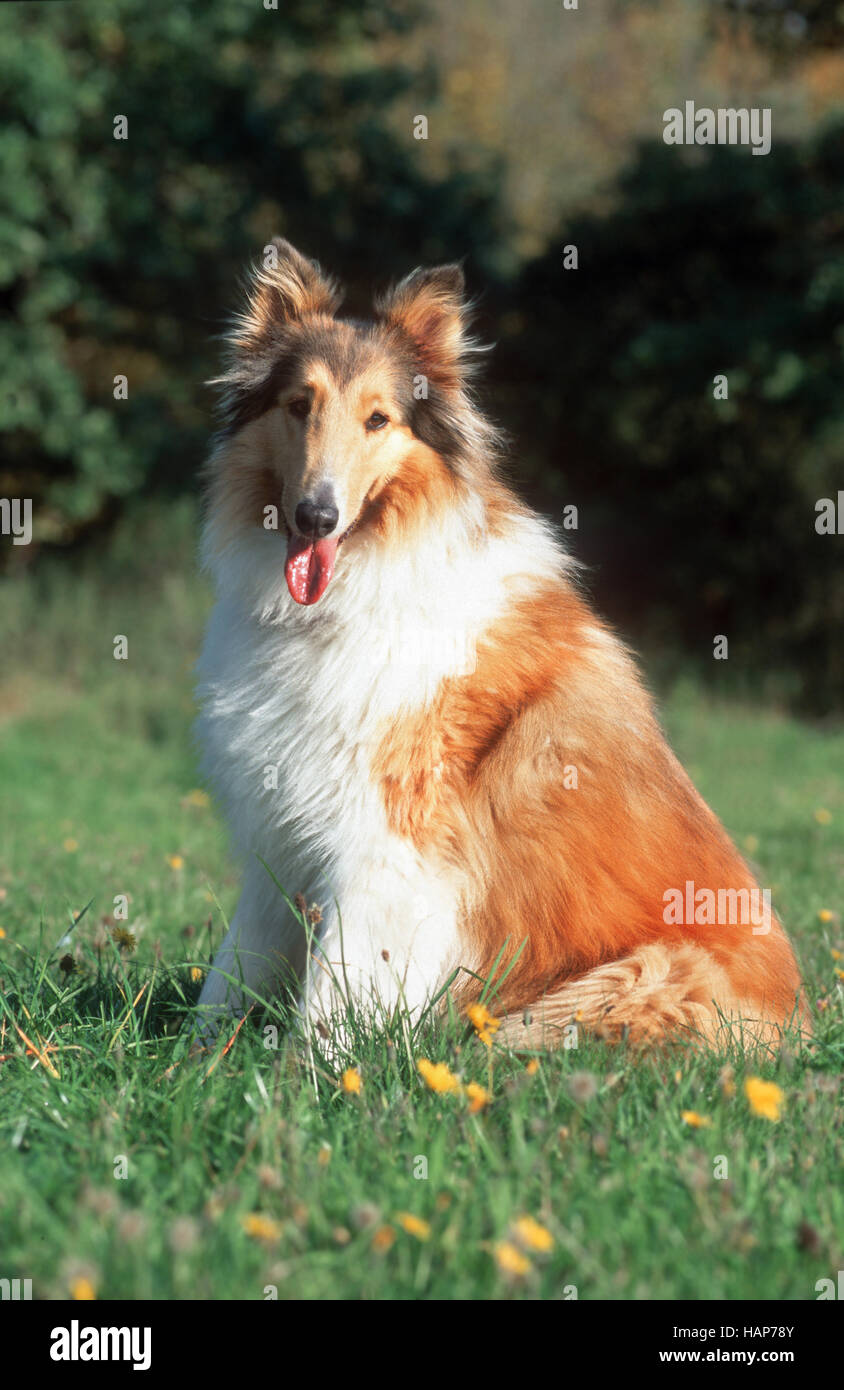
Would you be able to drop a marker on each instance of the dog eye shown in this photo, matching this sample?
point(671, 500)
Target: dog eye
point(376, 421)
point(300, 407)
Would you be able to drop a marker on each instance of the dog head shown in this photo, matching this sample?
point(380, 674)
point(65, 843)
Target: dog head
point(332, 425)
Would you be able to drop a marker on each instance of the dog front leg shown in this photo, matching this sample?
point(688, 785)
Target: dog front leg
point(262, 951)
point(390, 942)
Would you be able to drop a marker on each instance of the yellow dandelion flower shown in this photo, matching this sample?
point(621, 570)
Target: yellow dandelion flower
point(323, 1157)
point(824, 915)
point(437, 1076)
point(175, 861)
point(70, 845)
point(678, 1077)
point(484, 1023)
point(510, 1260)
point(383, 1239)
point(260, 1227)
point(352, 1081)
point(2, 934)
point(414, 1225)
point(82, 1290)
point(823, 816)
point(533, 1066)
point(531, 1235)
point(836, 955)
point(839, 973)
point(765, 1097)
point(691, 1117)
point(195, 974)
point(197, 797)
point(477, 1096)
point(123, 939)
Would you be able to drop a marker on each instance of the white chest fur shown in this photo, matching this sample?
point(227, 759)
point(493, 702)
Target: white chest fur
point(294, 703)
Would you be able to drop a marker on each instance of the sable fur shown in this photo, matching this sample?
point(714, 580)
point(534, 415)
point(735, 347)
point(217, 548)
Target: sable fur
point(420, 717)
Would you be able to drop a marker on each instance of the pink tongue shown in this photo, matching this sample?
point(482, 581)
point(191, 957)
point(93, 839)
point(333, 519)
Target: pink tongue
point(308, 567)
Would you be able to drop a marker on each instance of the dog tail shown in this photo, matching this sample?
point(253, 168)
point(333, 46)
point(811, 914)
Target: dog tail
point(661, 990)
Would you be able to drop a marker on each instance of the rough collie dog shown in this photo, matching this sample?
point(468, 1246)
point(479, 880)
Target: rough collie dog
point(414, 719)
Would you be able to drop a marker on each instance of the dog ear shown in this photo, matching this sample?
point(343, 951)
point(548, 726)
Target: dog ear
point(285, 286)
point(429, 308)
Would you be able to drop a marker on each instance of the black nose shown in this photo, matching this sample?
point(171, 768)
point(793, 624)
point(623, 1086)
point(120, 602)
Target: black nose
point(316, 518)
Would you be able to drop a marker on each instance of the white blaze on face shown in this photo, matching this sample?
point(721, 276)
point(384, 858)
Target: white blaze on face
point(334, 451)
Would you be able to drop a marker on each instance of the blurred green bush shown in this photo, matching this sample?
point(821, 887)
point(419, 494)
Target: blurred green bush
point(715, 262)
point(121, 257)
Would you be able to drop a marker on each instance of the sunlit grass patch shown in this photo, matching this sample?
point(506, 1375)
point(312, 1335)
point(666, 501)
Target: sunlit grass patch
point(271, 1165)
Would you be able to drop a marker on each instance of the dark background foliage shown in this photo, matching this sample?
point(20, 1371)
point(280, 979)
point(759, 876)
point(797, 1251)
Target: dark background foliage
point(696, 516)
point(702, 510)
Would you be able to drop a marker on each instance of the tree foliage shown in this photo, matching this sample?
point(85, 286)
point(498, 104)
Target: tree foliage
point(120, 257)
point(714, 264)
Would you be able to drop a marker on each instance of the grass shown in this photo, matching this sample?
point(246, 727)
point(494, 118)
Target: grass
point(255, 1170)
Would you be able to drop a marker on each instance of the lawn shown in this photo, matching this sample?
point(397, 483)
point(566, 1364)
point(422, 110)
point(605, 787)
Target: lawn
point(132, 1171)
